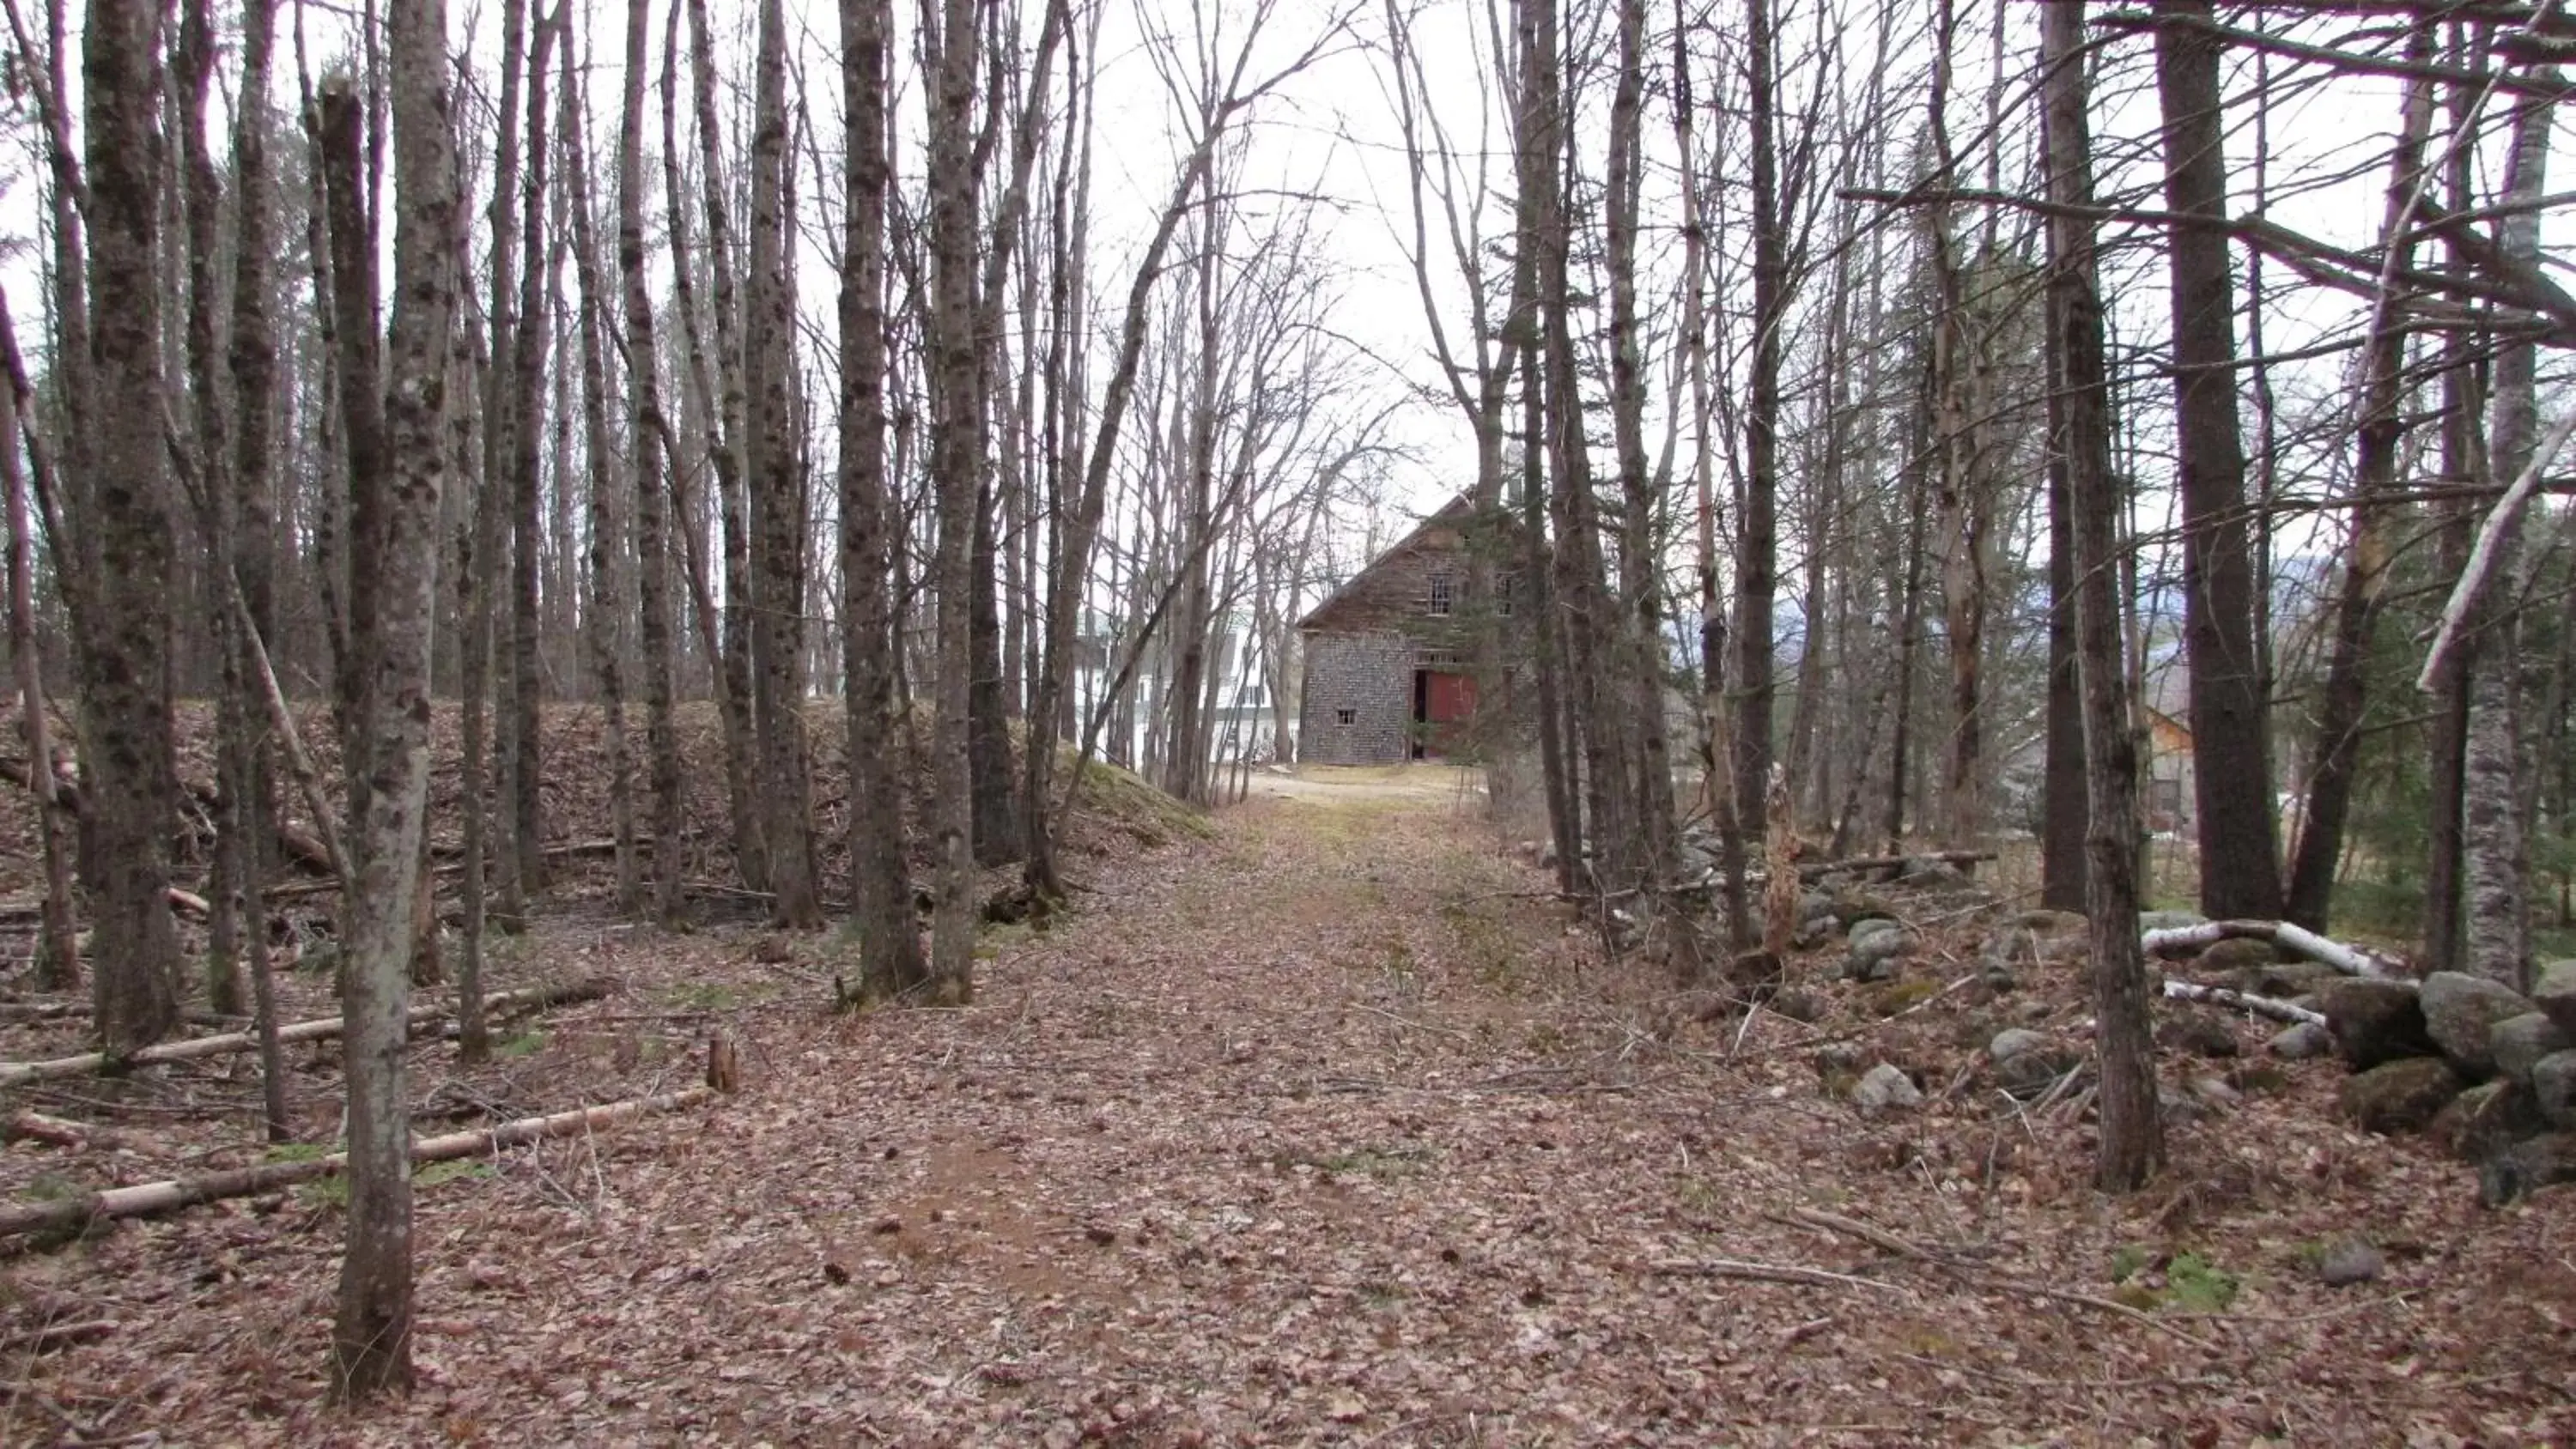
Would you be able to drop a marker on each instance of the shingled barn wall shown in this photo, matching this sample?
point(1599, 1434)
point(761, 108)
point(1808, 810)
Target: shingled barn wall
point(1371, 676)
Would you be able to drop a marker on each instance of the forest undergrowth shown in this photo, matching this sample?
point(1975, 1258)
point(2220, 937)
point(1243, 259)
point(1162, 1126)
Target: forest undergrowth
point(1318, 1122)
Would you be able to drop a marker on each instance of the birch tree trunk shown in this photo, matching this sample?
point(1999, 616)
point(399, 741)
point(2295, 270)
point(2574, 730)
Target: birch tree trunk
point(371, 1340)
point(2494, 839)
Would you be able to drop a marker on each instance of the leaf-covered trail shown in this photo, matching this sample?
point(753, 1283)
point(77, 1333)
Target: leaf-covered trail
point(1314, 1130)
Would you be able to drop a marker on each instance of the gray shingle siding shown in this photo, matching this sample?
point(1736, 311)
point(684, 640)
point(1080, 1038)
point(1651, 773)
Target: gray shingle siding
point(1369, 675)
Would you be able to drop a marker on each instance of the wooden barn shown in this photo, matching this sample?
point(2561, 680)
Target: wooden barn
point(1390, 656)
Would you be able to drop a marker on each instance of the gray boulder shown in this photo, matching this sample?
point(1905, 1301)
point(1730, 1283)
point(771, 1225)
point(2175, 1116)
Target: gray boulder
point(2485, 1119)
point(2526, 1167)
point(2283, 979)
point(2374, 1021)
point(2553, 990)
point(1925, 872)
point(1884, 1088)
point(2300, 1041)
point(2053, 923)
point(2197, 1035)
point(1868, 926)
point(2519, 1042)
point(1874, 953)
point(2027, 1064)
point(2235, 954)
point(2553, 1089)
point(2460, 1009)
point(2348, 1262)
point(2017, 1041)
point(2400, 1096)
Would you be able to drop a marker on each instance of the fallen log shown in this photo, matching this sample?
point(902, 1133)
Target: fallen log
point(187, 903)
point(1814, 868)
point(14, 1074)
point(33, 1126)
point(2350, 960)
point(149, 1198)
point(2239, 1001)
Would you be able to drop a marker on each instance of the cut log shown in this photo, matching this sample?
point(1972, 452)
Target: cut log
point(2239, 1001)
point(146, 1199)
point(14, 1074)
point(2350, 960)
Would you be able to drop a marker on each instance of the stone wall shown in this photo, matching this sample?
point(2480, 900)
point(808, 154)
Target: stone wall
point(1366, 680)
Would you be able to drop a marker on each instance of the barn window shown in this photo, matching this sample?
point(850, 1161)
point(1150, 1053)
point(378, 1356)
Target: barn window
point(1505, 585)
point(1346, 716)
point(1443, 594)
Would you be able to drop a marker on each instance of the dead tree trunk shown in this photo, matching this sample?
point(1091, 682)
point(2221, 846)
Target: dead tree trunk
point(2132, 1135)
point(57, 947)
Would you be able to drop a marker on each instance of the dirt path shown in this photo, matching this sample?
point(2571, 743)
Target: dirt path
point(1312, 1131)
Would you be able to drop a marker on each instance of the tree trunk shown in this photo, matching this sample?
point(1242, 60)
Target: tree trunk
point(2063, 804)
point(57, 945)
point(2495, 848)
point(607, 602)
point(522, 866)
point(2231, 734)
point(2132, 1136)
point(890, 961)
point(1755, 541)
point(777, 576)
point(949, 61)
point(130, 776)
point(648, 441)
point(728, 439)
point(371, 1340)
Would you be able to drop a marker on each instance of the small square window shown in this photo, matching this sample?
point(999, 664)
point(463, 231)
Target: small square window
point(1346, 716)
point(1505, 586)
point(1443, 594)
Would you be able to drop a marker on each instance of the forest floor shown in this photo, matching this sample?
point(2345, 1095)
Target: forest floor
point(1318, 1122)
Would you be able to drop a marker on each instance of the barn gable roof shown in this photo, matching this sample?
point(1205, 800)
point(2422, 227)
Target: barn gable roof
point(1451, 515)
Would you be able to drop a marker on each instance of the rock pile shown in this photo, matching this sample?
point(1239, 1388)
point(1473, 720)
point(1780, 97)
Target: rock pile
point(2489, 1072)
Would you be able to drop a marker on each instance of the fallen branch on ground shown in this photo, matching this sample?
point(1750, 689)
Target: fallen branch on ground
point(1774, 1273)
point(2239, 1001)
point(2350, 960)
point(1886, 1241)
point(13, 1074)
point(146, 1199)
point(33, 1126)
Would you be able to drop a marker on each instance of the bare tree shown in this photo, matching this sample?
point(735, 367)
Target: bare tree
point(371, 1341)
point(132, 779)
point(2240, 874)
point(648, 442)
point(2131, 1144)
